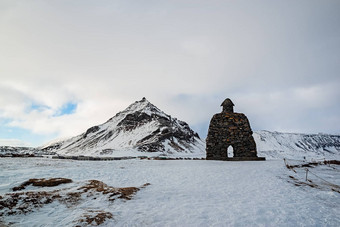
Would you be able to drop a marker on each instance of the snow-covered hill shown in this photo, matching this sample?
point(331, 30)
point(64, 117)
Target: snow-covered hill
point(140, 127)
point(276, 145)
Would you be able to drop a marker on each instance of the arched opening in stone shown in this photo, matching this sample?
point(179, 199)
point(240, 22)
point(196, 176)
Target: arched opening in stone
point(230, 152)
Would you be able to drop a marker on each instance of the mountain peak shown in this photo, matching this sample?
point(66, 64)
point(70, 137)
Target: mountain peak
point(144, 106)
point(144, 103)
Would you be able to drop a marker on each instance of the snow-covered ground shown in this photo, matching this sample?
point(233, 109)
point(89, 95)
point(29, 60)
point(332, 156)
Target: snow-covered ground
point(183, 193)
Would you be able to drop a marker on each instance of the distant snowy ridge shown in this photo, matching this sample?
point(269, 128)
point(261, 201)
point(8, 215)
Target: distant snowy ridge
point(140, 127)
point(276, 145)
point(8, 150)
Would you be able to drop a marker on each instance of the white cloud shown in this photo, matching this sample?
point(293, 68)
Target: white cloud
point(278, 61)
point(14, 143)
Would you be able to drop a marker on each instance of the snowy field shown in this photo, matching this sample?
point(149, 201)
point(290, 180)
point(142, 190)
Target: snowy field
point(182, 193)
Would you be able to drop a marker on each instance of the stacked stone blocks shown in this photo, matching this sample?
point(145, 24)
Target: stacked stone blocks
point(230, 129)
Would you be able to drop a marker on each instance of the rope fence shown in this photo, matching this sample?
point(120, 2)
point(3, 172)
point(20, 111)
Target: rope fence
point(329, 183)
point(308, 165)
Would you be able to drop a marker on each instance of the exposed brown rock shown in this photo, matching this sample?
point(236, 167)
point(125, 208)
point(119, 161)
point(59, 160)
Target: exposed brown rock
point(312, 164)
point(25, 202)
point(42, 182)
point(112, 192)
point(93, 217)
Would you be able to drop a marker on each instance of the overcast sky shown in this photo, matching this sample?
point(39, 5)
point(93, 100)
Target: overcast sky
point(68, 65)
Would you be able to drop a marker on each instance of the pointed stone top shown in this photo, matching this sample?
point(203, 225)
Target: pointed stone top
point(227, 103)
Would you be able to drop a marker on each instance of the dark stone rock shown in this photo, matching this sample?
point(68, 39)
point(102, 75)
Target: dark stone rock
point(230, 129)
point(132, 121)
point(91, 130)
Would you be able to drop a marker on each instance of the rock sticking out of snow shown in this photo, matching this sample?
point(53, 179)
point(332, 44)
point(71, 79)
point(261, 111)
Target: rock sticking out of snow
point(77, 197)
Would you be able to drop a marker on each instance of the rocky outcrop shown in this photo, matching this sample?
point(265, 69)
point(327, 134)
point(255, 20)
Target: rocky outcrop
point(78, 195)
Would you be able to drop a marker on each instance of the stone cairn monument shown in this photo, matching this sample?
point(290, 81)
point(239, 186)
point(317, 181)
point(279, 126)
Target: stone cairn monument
point(230, 129)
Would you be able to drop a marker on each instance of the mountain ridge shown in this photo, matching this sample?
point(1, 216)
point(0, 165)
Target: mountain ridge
point(141, 126)
point(297, 145)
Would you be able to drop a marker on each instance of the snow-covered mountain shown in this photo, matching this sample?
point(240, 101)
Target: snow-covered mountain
point(274, 145)
point(140, 127)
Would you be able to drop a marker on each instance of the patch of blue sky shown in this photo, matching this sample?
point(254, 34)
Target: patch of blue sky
point(38, 107)
point(4, 121)
point(201, 129)
point(68, 108)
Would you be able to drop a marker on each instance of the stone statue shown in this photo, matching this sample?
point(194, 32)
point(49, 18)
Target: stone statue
point(230, 129)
